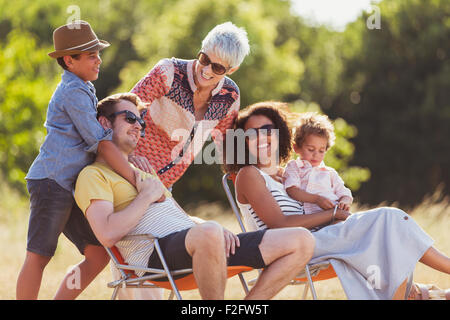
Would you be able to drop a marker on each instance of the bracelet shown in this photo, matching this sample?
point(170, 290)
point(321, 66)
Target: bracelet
point(334, 213)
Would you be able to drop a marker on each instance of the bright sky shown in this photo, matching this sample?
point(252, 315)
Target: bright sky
point(335, 13)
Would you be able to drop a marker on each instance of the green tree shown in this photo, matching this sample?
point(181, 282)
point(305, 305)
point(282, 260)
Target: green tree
point(272, 69)
point(395, 90)
point(142, 32)
point(25, 79)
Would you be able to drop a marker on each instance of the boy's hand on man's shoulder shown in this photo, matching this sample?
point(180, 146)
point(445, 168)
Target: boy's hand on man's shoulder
point(140, 162)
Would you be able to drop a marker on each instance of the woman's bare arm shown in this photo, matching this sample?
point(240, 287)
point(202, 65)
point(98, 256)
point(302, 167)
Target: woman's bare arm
point(251, 188)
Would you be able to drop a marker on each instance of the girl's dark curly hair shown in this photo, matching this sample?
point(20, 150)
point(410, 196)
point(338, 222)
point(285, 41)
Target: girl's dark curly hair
point(270, 109)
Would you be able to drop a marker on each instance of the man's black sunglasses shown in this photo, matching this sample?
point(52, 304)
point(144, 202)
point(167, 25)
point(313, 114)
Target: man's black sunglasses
point(131, 118)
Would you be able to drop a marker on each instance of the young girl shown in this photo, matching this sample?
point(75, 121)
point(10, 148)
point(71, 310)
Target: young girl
point(307, 178)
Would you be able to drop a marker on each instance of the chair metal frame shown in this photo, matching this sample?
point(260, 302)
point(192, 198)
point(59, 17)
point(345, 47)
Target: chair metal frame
point(311, 273)
point(129, 279)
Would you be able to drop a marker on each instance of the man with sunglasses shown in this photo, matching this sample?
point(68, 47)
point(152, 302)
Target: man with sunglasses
point(114, 208)
point(191, 99)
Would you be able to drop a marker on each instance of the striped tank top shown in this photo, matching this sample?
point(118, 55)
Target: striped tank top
point(287, 205)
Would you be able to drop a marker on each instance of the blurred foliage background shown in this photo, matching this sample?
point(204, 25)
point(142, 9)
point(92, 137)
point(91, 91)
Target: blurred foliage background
point(388, 89)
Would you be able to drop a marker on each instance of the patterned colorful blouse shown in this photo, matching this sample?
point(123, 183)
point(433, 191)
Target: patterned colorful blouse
point(168, 90)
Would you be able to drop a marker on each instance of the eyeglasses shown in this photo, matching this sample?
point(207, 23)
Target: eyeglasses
point(131, 118)
point(266, 129)
point(217, 68)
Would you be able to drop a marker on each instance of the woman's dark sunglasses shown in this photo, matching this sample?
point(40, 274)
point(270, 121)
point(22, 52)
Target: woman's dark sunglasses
point(265, 129)
point(131, 118)
point(204, 60)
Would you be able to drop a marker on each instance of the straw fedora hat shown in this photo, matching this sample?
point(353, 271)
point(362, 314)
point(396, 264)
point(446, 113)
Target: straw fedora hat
point(75, 38)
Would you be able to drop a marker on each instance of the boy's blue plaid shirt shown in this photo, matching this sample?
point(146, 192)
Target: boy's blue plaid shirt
point(73, 133)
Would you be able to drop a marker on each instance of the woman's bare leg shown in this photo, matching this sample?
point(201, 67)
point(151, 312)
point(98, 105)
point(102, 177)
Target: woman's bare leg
point(401, 291)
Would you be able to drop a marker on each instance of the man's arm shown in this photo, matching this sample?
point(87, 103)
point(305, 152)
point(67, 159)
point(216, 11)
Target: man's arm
point(109, 226)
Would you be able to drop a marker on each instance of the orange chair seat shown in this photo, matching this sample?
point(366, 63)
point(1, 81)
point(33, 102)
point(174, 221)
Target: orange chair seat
point(185, 283)
point(324, 274)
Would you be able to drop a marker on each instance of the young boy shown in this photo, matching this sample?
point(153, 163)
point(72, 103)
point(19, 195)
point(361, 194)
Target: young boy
point(74, 136)
point(307, 178)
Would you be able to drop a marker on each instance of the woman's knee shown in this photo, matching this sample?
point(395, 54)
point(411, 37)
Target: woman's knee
point(281, 242)
point(305, 241)
point(394, 212)
point(295, 240)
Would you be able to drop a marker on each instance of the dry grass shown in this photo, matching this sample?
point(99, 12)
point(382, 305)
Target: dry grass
point(433, 215)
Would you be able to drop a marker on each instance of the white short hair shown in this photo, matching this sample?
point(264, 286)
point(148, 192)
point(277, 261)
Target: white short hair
point(228, 42)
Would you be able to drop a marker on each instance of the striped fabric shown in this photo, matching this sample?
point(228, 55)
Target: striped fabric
point(160, 220)
point(287, 205)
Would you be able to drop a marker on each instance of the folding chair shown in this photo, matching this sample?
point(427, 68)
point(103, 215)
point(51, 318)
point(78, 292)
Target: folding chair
point(311, 273)
point(129, 279)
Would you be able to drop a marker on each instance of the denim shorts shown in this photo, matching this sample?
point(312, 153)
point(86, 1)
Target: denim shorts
point(53, 210)
point(174, 250)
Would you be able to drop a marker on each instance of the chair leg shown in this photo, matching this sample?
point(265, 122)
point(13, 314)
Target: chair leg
point(244, 284)
point(311, 284)
point(166, 268)
point(114, 295)
point(305, 291)
point(172, 294)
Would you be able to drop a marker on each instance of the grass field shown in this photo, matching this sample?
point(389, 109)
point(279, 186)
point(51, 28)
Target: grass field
point(433, 216)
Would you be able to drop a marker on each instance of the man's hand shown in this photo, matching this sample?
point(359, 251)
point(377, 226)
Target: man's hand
point(140, 163)
point(231, 242)
point(150, 187)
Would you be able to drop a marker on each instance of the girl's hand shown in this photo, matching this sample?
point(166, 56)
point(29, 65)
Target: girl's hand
point(324, 203)
point(341, 214)
point(345, 203)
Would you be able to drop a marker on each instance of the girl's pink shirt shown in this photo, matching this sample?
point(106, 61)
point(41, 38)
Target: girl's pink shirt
point(321, 180)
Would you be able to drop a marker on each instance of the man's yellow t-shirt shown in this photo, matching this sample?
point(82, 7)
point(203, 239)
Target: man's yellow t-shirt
point(99, 182)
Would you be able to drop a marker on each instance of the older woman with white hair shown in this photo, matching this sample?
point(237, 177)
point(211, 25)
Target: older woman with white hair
point(187, 100)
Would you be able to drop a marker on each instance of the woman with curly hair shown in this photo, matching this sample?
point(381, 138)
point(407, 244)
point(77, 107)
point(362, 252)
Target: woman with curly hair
point(373, 253)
